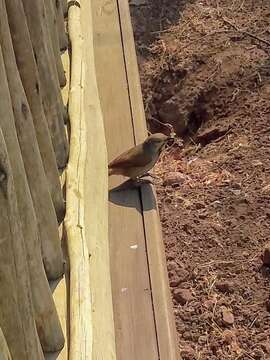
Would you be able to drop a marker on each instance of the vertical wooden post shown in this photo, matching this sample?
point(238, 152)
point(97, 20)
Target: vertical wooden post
point(81, 340)
point(63, 39)
point(52, 99)
point(4, 350)
point(54, 38)
point(45, 314)
point(31, 83)
point(65, 8)
point(16, 309)
point(47, 224)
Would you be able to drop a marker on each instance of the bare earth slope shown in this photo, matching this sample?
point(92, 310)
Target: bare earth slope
point(203, 71)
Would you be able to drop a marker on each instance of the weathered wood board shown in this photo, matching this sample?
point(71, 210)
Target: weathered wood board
point(142, 306)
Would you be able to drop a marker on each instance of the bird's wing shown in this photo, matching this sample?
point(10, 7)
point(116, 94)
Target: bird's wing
point(134, 157)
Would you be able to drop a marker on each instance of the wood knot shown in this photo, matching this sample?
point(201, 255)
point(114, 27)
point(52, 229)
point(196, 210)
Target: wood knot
point(3, 176)
point(24, 109)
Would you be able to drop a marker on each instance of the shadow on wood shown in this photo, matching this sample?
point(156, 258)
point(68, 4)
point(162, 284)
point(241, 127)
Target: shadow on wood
point(118, 195)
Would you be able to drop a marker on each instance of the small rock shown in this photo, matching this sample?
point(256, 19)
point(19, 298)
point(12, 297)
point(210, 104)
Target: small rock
point(266, 347)
point(187, 336)
point(175, 281)
point(171, 265)
point(182, 296)
point(199, 205)
point(202, 340)
point(203, 215)
point(225, 286)
point(266, 189)
point(209, 304)
point(228, 336)
point(182, 274)
point(187, 353)
point(266, 255)
point(258, 354)
point(227, 316)
point(174, 178)
point(267, 305)
point(207, 316)
point(205, 137)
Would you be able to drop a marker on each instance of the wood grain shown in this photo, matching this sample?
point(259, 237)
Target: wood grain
point(16, 307)
point(31, 82)
point(46, 217)
point(52, 24)
point(4, 350)
point(123, 111)
point(96, 206)
point(165, 322)
point(62, 35)
point(132, 300)
point(81, 338)
point(50, 90)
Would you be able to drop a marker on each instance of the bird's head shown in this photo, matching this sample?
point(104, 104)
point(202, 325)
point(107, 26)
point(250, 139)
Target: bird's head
point(156, 141)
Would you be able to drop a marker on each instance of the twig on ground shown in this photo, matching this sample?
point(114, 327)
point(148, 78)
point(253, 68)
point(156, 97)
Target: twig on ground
point(167, 125)
point(205, 36)
point(245, 32)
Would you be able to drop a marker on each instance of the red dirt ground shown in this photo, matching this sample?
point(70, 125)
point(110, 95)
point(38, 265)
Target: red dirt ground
point(204, 72)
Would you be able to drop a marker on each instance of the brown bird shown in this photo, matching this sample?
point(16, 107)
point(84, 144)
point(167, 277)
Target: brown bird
point(137, 161)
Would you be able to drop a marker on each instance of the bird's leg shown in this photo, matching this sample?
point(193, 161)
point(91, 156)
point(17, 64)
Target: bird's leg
point(149, 174)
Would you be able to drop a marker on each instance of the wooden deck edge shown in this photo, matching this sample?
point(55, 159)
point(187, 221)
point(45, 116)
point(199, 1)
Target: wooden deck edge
point(162, 302)
point(80, 335)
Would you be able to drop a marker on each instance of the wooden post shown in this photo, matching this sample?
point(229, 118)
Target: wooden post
point(63, 39)
point(30, 79)
point(47, 224)
point(16, 309)
point(4, 350)
point(65, 8)
point(45, 314)
point(80, 346)
point(52, 99)
point(54, 37)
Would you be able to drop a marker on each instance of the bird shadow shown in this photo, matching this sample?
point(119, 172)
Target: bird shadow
point(132, 194)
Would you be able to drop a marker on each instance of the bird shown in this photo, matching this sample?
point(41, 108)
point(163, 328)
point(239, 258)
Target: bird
point(137, 161)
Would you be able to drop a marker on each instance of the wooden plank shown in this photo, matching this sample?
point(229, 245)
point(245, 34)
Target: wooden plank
point(166, 332)
point(38, 185)
point(96, 204)
point(132, 300)
point(16, 307)
point(63, 39)
point(30, 79)
point(59, 289)
point(50, 90)
point(4, 350)
point(51, 19)
point(80, 335)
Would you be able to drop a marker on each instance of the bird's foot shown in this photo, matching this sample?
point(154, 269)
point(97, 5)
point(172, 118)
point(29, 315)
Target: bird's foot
point(141, 180)
point(150, 175)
